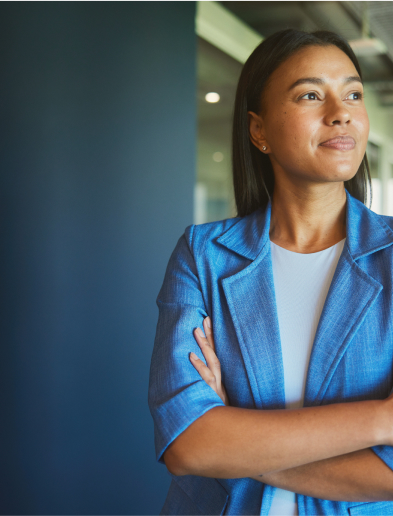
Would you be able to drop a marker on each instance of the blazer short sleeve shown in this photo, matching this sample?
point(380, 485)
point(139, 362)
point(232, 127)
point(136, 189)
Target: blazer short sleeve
point(177, 394)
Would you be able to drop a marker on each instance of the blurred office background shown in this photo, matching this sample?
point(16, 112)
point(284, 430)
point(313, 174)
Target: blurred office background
point(110, 147)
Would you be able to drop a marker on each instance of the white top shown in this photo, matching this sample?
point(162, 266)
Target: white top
point(301, 283)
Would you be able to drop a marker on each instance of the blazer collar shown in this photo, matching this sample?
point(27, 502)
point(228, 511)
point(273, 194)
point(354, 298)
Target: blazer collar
point(250, 235)
point(367, 232)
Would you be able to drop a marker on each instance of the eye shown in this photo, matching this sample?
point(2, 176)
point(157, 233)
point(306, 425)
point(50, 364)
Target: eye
point(356, 95)
point(309, 96)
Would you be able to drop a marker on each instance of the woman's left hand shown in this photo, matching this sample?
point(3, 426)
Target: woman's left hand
point(212, 372)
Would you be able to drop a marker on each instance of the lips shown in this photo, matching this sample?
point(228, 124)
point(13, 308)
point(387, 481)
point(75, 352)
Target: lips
point(340, 143)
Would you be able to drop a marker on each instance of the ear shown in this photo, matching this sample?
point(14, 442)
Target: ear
point(257, 133)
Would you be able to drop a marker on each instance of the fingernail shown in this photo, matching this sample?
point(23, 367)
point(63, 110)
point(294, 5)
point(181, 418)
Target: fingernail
point(200, 333)
point(193, 356)
point(208, 322)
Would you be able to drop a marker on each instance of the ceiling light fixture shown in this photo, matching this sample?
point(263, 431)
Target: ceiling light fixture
point(212, 97)
point(367, 47)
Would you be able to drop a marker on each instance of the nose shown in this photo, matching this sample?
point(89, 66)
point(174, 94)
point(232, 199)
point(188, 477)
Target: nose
point(337, 113)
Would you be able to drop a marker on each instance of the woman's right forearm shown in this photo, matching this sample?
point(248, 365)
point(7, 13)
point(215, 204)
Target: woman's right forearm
point(230, 442)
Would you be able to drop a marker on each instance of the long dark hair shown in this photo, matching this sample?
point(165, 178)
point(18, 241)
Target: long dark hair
point(253, 176)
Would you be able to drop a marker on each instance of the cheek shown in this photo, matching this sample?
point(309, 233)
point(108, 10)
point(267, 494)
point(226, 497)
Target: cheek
point(363, 125)
point(294, 132)
point(284, 127)
point(366, 125)
point(292, 140)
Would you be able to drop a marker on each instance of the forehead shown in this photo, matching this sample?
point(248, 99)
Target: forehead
point(329, 63)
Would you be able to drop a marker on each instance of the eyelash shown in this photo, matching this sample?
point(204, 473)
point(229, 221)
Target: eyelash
point(358, 93)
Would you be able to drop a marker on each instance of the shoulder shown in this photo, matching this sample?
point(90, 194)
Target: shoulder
point(199, 241)
point(244, 237)
point(195, 253)
point(200, 236)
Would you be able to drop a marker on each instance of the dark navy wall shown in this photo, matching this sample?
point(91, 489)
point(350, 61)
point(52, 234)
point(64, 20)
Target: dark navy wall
point(97, 151)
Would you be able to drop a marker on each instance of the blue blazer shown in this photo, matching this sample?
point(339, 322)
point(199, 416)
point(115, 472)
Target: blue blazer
point(224, 270)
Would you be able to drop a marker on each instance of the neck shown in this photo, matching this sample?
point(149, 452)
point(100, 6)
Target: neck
point(308, 220)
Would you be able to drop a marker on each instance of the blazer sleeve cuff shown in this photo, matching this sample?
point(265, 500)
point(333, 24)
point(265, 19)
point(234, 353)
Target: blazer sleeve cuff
point(175, 415)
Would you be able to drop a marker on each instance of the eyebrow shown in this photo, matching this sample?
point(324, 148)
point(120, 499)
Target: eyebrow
point(319, 81)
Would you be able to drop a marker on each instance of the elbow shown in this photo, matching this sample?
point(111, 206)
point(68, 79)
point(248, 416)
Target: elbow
point(175, 461)
point(188, 454)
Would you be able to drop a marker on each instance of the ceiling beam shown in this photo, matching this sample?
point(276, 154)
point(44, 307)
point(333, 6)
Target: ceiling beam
point(225, 31)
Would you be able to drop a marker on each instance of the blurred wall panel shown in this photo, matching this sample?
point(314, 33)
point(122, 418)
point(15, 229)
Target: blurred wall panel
point(97, 170)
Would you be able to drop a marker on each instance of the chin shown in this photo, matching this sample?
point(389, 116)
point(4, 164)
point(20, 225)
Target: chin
point(344, 167)
point(345, 172)
point(341, 178)
point(337, 177)
point(346, 175)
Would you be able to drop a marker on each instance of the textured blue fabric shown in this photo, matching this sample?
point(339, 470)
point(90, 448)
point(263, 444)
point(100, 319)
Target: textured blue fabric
point(224, 270)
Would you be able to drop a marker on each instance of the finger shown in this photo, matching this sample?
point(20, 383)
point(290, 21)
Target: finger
point(205, 373)
point(211, 358)
point(207, 326)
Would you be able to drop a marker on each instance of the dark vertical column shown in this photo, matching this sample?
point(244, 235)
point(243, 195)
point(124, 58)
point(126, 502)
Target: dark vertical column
point(97, 150)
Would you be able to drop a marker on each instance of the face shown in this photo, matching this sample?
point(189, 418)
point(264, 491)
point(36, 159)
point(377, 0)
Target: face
point(313, 123)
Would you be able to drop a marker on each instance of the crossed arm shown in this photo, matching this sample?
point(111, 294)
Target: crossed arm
point(331, 459)
point(360, 476)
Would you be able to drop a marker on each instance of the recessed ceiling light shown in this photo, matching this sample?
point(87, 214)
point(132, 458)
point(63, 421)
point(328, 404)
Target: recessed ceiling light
point(212, 97)
point(218, 156)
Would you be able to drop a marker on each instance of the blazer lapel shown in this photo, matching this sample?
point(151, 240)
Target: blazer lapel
point(350, 297)
point(251, 300)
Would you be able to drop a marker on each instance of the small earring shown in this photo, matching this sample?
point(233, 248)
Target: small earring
point(264, 148)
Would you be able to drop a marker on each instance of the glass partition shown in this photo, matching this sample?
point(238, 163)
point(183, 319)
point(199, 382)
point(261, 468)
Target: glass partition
point(217, 73)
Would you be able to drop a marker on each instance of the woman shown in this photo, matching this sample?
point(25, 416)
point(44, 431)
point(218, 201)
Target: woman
point(298, 289)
